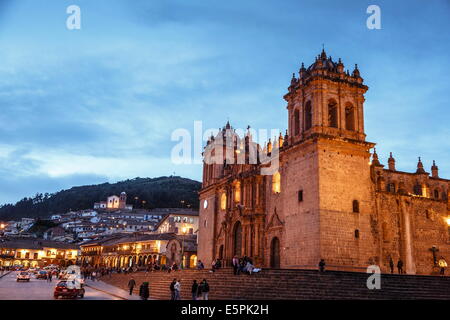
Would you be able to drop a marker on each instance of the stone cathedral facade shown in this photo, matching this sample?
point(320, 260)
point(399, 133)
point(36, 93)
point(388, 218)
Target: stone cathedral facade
point(329, 197)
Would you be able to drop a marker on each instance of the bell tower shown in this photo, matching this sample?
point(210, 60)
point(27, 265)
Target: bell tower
point(325, 99)
point(326, 160)
point(123, 200)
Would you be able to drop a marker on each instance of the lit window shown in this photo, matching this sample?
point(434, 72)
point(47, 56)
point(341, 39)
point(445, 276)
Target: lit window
point(237, 192)
point(276, 182)
point(223, 201)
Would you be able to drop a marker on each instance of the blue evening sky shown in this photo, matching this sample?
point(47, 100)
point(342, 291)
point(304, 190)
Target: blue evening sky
point(100, 104)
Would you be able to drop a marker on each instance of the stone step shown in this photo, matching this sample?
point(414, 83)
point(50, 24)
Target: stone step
point(292, 284)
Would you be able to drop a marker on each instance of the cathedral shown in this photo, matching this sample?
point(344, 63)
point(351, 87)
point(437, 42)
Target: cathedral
point(330, 197)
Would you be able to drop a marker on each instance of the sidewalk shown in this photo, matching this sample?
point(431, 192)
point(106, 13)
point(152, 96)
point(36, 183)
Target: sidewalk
point(112, 290)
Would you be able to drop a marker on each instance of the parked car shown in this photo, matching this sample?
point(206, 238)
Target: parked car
point(23, 276)
point(69, 289)
point(42, 275)
point(33, 270)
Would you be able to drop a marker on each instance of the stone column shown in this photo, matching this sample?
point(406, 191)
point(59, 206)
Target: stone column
point(257, 194)
point(247, 240)
point(361, 114)
point(301, 116)
point(410, 264)
point(257, 239)
point(315, 104)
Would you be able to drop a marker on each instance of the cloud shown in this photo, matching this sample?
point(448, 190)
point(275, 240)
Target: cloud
point(102, 102)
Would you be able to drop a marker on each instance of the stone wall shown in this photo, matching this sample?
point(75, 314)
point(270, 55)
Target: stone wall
point(348, 239)
point(428, 228)
point(207, 226)
point(299, 232)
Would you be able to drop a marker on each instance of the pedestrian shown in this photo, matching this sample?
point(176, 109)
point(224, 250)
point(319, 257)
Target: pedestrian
point(235, 265)
point(391, 264)
point(144, 291)
point(194, 290)
point(172, 289)
point(177, 288)
point(322, 265)
point(249, 268)
point(442, 265)
point(93, 275)
point(49, 278)
point(242, 264)
point(400, 266)
point(200, 265)
point(131, 285)
point(205, 289)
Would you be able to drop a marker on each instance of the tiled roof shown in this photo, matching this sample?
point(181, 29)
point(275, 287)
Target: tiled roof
point(35, 244)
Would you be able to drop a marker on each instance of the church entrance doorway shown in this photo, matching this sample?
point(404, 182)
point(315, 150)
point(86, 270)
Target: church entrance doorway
point(237, 239)
point(275, 253)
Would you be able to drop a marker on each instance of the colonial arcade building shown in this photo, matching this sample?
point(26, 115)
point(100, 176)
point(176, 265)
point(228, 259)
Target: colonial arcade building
point(173, 240)
point(329, 196)
point(36, 253)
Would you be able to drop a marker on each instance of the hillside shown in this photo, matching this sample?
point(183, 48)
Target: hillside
point(163, 192)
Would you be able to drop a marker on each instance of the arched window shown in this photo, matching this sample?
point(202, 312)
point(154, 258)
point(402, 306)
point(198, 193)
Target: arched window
point(276, 182)
point(332, 114)
point(223, 201)
point(193, 261)
point(436, 194)
point(350, 118)
point(390, 187)
point(308, 116)
point(417, 189)
point(296, 122)
point(237, 192)
point(355, 206)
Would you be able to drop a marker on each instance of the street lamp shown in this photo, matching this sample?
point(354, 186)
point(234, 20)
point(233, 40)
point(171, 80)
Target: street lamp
point(184, 231)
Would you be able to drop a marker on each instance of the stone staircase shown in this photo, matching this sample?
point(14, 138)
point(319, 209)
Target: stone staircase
point(273, 284)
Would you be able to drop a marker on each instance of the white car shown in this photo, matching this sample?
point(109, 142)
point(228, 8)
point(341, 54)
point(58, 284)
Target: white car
point(23, 276)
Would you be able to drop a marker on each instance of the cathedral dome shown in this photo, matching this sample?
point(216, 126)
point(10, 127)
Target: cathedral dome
point(323, 62)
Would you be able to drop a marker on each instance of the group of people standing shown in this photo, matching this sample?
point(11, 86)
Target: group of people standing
point(244, 265)
point(95, 274)
point(399, 266)
point(198, 290)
